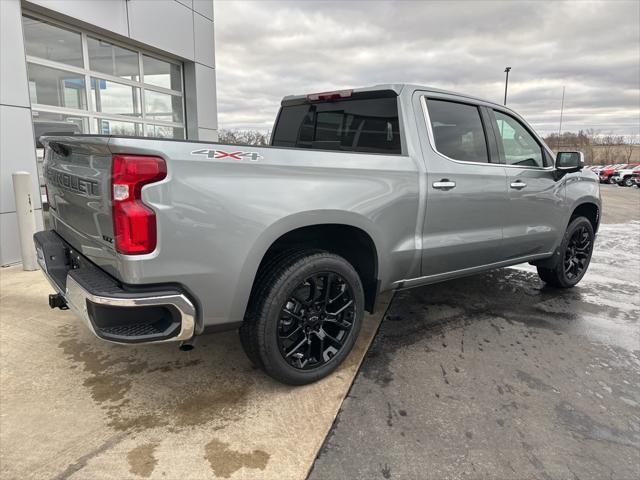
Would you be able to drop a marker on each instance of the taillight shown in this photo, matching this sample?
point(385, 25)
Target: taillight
point(134, 224)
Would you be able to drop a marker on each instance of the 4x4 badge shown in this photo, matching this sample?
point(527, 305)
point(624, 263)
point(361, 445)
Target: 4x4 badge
point(239, 155)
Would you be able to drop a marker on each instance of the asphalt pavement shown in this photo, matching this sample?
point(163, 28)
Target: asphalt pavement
point(498, 376)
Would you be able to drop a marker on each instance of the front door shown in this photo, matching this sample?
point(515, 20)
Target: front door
point(536, 214)
point(467, 196)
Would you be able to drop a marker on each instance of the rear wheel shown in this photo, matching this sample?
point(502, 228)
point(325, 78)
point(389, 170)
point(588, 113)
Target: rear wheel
point(575, 255)
point(304, 316)
point(610, 180)
point(627, 182)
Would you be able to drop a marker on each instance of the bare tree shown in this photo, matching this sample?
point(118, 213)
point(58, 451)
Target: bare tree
point(609, 146)
point(582, 141)
point(242, 137)
point(627, 150)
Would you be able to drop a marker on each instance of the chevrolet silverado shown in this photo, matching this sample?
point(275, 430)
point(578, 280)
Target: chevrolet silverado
point(360, 191)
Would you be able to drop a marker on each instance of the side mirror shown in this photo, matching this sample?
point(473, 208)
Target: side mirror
point(568, 162)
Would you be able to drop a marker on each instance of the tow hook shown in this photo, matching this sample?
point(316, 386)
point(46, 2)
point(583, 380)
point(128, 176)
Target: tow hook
point(58, 301)
point(187, 345)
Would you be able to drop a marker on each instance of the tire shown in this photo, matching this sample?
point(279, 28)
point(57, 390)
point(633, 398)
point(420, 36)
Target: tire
point(249, 347)
point(627, 182)
point(610, 180)
point(574, 256)
point(296, 329)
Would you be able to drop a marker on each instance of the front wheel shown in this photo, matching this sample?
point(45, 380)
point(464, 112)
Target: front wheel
point(575, 255)
point(304, 316)
point(610, 180)
point(627, 182)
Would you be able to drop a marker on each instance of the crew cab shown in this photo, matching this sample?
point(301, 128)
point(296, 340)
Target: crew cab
point(361, 191)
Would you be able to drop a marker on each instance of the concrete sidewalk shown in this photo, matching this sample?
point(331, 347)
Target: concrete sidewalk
point(73, 406)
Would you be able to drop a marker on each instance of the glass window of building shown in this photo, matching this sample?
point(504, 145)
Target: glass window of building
point(115, 98)
point(81, 83)
point(162, 74)
point(51, 42)
point(113, 60)
point(57, 88)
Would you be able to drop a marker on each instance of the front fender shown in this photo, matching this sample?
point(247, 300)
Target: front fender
point(582, 189)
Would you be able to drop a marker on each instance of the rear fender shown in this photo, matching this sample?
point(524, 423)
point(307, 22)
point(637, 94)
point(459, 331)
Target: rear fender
point(284, 226)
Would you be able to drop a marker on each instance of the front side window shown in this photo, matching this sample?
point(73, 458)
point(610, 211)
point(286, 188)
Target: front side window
point(520, 147)
point(457, 130)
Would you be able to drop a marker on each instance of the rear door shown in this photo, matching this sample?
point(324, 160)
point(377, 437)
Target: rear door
point(536, 214)
point(467, 197)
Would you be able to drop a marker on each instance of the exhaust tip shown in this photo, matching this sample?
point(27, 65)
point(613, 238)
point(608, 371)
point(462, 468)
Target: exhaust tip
point(187, 346)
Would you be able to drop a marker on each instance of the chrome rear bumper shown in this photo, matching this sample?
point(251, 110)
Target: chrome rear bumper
point(111, 312)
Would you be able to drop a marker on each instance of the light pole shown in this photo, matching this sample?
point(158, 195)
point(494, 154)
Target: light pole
point(506, 83)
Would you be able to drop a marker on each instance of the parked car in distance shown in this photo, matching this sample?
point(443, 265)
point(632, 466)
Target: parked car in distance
point(361, 191)
point(606, 173)
point(635, 179)
point(623, 175)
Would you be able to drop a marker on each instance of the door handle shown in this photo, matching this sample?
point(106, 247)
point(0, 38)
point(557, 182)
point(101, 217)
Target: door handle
point(519, 185)
point(444, 184)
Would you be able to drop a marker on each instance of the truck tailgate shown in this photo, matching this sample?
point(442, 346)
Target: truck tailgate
point(78, 178)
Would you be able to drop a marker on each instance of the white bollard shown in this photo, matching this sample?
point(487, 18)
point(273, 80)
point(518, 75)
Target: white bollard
point(26, 218)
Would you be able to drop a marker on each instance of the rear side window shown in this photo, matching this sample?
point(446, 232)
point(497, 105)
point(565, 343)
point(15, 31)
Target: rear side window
point(457, 130)
point(358, 125)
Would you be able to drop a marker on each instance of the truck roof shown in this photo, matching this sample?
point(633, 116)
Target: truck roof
point(397, 88)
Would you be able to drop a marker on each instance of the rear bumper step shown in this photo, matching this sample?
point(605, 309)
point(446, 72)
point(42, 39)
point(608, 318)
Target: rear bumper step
point(110, 310)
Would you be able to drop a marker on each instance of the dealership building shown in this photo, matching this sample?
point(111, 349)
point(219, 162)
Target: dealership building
point(110, 67)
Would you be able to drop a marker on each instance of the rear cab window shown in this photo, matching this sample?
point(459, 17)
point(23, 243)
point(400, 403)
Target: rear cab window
point(366, 122)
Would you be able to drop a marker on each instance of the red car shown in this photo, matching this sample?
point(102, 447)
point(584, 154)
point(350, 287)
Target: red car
point(606, 174)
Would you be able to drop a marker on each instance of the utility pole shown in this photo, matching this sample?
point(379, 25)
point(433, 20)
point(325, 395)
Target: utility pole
point(560, 127)
point(506, 83)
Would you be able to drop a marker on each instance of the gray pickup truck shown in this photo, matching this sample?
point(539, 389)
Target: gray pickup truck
point(360, 191)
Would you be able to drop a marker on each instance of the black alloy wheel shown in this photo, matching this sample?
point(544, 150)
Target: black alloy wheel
point(304, 315)
point(316, 320)
point(574, 255)
point(577, 253)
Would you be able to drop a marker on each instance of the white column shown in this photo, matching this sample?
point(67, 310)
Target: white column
point(26, 218)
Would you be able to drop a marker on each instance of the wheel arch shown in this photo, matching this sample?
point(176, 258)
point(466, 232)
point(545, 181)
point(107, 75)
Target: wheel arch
point(588, 209)
point(344, 233)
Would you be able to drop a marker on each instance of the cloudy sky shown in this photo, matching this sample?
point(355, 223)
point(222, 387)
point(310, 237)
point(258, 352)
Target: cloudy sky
point(266, 50)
